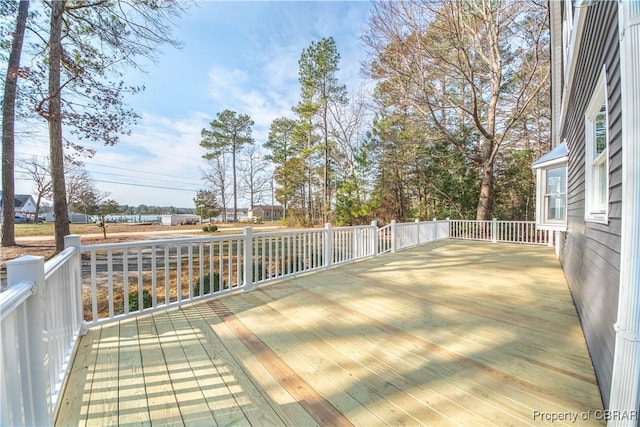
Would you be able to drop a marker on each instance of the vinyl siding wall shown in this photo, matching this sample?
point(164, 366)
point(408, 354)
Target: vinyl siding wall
point(590, 252)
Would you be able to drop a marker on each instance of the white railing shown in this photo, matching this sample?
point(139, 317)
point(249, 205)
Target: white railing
point(40, 321)
point(500, 231)
point(411, 234)
point(125, 279)
point(47, 304)
point(385, 239)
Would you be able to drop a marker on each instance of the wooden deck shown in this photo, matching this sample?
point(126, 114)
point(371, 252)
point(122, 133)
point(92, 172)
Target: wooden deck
point(451, 333)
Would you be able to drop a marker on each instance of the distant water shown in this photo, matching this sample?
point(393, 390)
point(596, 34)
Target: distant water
point(129, 218)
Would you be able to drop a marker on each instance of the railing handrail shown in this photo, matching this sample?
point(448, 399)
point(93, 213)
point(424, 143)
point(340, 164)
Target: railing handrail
point(58, 261)
point(155, 242)
point(13, 297)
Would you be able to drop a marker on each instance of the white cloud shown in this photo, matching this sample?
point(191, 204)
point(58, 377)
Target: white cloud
point(160, 156)
point(253, 95)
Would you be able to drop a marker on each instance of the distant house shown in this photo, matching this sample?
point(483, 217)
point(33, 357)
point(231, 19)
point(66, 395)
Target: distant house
point(226, 215)
point(25, 205)
point(266, 213)
point(74, 217)
point(180, 219)
point(588, 185)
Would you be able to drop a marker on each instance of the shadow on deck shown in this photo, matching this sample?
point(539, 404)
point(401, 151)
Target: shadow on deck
point(454, 332)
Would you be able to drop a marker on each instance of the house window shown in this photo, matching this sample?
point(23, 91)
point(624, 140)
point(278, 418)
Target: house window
point(555, 198)
point(551, 189)
point(597, 154)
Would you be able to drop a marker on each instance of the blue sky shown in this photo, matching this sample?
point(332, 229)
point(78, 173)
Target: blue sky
point(241, 56)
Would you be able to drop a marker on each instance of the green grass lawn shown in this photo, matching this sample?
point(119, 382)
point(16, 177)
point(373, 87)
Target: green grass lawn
point(42, 229)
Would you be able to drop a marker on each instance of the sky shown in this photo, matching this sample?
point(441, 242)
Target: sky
point(241, 56)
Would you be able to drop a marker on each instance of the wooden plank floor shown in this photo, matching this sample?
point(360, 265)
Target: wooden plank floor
point(451, 333)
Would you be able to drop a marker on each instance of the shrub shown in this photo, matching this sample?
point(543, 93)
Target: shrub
point(210, 228)
point(206, 288)
point(147, 300)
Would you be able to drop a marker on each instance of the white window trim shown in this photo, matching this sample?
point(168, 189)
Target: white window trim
point(567, 27)
point(570, 59)
point(599, 97)
point(542, 222)
point(556, 158)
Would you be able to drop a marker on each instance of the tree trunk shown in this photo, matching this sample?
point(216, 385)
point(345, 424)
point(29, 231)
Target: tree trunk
point(8, 127)
point(326, 197)
point(485, 200)
point(223, 199)
point(37, 212)
point(235, 192)
point(55, 126)
point(310, 172)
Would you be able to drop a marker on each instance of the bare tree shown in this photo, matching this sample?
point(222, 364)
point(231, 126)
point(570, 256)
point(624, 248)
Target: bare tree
point(470, 68)
point(348, 129)
point(77, 182)
point(37, 170)
point(8, 126)
point(255, 181)
point(216, 174)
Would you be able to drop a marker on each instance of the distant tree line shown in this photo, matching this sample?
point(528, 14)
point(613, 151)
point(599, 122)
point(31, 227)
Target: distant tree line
point(460, 110)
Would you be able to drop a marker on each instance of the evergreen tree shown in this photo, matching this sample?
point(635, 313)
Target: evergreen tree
point(319, 90)
point(228, 133)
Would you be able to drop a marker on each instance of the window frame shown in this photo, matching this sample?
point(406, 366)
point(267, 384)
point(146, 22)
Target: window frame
point(557, 158)
point(546, 195)
point(596, 182)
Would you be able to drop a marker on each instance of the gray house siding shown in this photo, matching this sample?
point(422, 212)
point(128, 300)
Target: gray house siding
point(589, 251)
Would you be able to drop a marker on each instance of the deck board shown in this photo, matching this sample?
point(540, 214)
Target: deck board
point(161, 398)
point(73, 406)
point(251, 377)
point(131, 388)
point(102, 406)
point(451, 333)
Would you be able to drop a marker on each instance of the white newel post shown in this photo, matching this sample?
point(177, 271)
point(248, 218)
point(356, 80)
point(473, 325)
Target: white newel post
point(37, 409)
point(417, 221)
point(448, 228)
point(73, 241)
point(494, 230)
point(435, 229)
point(247, 269)
point(625, 382)
point(328, 246)
point(393, 236)
point(374, 238)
